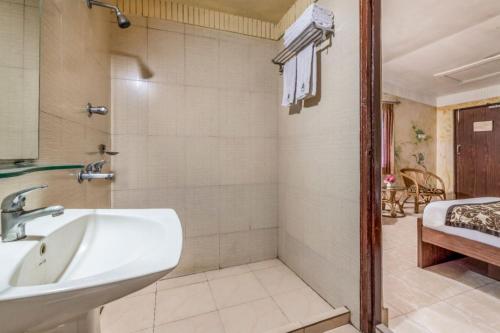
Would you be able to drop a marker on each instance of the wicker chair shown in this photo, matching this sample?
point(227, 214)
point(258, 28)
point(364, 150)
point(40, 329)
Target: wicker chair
point(422, 186)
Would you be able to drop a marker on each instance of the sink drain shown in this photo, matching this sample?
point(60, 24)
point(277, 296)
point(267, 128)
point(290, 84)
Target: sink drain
point(43, 249)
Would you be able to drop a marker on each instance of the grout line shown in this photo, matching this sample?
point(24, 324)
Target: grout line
point(261, 284)
point(213, 299)
point(186, 318)
point(211, 293)
point(154, 309)
point(281, 310)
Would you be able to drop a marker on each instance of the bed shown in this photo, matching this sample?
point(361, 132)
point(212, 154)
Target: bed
point(438, 242)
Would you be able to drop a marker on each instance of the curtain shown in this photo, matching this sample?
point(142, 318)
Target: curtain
point(387, 138)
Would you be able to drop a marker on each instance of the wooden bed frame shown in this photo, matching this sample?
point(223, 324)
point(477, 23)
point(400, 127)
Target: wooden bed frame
point(435, 247)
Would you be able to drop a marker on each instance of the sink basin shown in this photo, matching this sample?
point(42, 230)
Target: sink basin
point(71, 264)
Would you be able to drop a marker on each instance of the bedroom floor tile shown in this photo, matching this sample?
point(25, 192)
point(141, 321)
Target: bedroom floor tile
point(442, 317)
point(462, 273)
point(404, 297)
point(433, 284)
point(482, 304)
point(405, 325)
point(452, 297)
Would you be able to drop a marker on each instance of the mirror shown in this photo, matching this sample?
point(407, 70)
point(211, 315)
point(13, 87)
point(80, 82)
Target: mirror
point(19, 79)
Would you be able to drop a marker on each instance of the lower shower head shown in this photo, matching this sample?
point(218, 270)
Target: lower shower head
point(122, 20)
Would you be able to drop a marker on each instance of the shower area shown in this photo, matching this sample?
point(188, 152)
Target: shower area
point(268, 196)
point(199, 136)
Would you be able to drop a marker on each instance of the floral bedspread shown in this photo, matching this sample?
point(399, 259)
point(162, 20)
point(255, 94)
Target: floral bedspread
point(483, 217)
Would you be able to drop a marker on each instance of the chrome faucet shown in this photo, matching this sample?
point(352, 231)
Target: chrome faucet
point(14, 217)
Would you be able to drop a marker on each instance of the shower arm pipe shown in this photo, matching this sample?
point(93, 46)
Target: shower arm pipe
point(90, 3)
point(122, 20)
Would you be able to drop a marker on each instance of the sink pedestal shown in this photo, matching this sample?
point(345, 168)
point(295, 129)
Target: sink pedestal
point(87, 323)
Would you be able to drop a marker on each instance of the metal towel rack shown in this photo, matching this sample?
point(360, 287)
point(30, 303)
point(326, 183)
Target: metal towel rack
point(312, 34)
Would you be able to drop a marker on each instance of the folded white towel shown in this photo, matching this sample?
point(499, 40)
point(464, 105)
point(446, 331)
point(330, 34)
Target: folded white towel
point(306, 73)
point(289, 82)
point(314, 75)
point(314, 13)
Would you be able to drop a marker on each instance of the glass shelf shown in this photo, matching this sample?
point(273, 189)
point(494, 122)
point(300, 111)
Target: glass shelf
point(14, 170)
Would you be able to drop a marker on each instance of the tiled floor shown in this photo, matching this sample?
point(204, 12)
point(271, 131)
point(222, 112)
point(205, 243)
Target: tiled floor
point(451, 297)
point(260, 297)
point(343, 329)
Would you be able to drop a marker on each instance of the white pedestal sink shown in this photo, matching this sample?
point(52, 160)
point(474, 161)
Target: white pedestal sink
point(74, 263)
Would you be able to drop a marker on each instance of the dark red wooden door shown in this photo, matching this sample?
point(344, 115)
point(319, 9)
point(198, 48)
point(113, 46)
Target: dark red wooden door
point(477, 139)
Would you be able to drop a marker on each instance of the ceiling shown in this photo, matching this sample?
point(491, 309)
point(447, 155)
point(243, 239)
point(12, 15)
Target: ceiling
point(426, 37)
point(266, 10)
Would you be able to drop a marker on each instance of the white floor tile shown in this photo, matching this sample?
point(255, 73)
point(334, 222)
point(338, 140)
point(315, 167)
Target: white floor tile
point(149, 289)
point(183, 302)
point(189, 304)
point(253, 317)
point(237, 289)
point(205, 323)
point(181, 281)
point(265, 264)
point(302, 304)
point(279, 279)
point(230, 271)
point(344, 329)
point(129, 315)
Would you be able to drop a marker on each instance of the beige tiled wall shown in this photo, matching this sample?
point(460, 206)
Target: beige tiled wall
point(199, 136)
point(19, 75)
point(75, 69)
point(319, 172)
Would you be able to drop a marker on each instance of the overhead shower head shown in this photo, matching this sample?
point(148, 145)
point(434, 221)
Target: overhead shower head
point(123, 21)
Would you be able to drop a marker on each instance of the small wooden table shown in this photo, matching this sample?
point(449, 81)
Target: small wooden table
point(391, 202)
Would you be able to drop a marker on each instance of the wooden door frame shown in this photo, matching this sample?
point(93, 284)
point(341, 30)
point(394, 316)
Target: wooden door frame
point(455, 114)
point(370, 177)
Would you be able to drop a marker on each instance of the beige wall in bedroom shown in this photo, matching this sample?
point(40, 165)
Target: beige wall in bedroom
point(74, 70)
point(408, 114)
point(199, 136)
point(445, 138)
point(319, 172)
